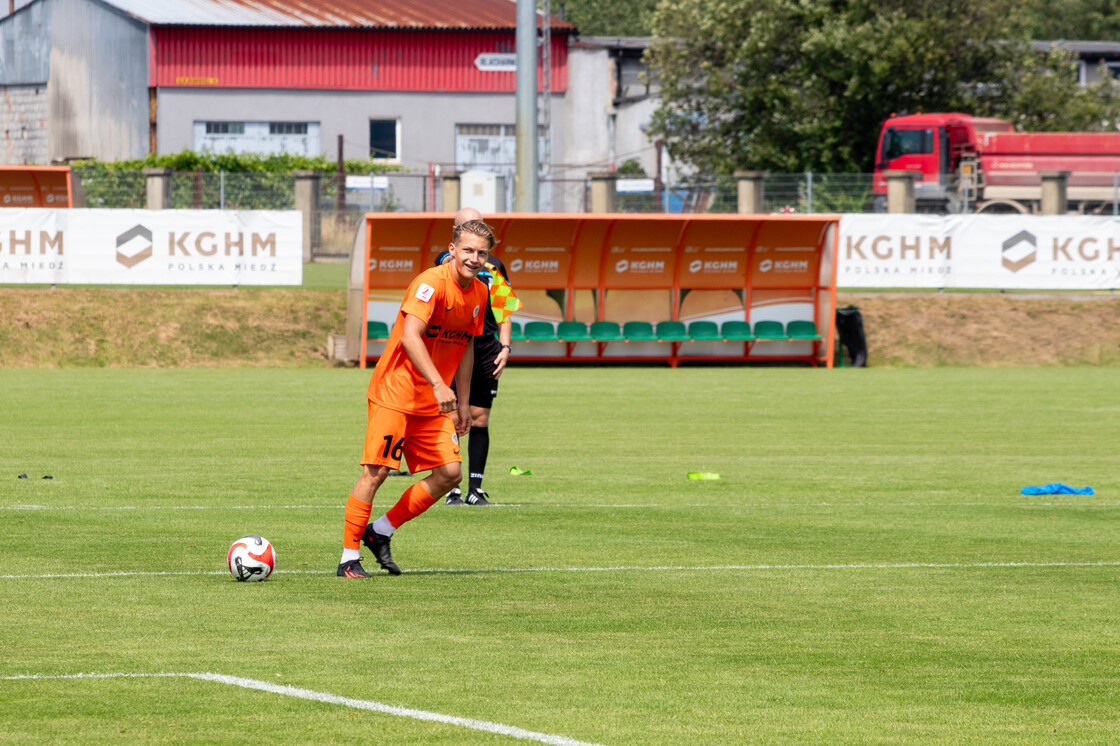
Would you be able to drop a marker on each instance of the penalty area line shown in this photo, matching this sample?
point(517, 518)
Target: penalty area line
point(333, 699)
point(615, 568)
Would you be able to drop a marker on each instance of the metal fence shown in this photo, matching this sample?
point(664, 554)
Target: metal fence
point(404, 192)
point(341, 207)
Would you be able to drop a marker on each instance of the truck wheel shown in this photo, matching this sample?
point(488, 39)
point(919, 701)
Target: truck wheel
point(1002, 207)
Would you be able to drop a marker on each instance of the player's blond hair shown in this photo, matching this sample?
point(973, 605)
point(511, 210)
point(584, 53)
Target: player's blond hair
point(476, 228)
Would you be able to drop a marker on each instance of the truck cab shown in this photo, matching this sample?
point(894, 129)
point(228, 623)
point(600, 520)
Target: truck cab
point(931, 145)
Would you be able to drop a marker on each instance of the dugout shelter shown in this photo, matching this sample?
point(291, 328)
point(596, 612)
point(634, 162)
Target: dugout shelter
point(629, 287)
point(37, 186)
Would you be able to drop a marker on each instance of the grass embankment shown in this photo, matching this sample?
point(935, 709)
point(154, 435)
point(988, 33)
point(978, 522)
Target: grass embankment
point(288, 327)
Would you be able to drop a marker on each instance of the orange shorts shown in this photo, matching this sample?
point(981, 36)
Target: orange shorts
point(426, 442)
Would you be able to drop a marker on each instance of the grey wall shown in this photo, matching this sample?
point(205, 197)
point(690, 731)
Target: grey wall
point(427, 121)
point(24, 70)
point(23, 124)
point(99, 82)
point(588, 107)
point(25, 46)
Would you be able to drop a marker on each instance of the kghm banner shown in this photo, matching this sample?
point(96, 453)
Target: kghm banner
point(151, 247)
point(1006, 252)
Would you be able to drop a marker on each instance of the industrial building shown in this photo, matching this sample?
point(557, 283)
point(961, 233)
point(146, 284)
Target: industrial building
point(414, 85)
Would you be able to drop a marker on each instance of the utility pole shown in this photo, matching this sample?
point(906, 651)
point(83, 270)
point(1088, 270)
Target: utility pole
point(525, 128)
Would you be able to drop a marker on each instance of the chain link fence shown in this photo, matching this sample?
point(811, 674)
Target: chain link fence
point(342, 204)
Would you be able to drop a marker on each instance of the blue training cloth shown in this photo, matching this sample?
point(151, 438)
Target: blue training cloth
point(1057, 488)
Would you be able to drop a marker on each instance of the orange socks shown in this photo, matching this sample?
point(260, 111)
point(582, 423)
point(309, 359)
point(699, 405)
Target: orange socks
point(413, 502)
point(357, 516)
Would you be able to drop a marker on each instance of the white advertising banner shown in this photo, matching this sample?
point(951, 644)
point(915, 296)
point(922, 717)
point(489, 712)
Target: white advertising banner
point(151, 247)
point(1013, 252)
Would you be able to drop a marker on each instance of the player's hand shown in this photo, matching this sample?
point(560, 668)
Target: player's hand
point(500, 363)
point(445, 397)
point(462, 422)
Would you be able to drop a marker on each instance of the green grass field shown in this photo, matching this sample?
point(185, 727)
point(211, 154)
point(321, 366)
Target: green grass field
point(865, 571)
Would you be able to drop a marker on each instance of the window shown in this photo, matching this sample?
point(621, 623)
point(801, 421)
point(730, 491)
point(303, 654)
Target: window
point(297, 138)
point(225, 128)
point(900, 142)
point(384, 139)
point(287, 128)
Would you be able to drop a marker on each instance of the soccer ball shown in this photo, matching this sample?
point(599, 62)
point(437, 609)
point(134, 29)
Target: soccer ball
point(251, 558)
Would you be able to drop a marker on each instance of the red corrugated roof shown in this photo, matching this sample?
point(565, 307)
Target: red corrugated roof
point(399, 14)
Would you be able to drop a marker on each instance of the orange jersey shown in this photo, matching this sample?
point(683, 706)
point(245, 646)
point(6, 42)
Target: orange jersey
point(454, 316)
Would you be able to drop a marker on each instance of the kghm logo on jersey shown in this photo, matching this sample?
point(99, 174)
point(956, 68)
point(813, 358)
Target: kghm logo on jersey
point(454, 336)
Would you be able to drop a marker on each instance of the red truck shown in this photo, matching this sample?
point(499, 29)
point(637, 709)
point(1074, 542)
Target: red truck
point(979, 164)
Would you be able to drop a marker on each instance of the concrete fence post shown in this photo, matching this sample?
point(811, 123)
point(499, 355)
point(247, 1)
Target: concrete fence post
point(604, 191)
point(751, 191)
point(307, 202)
point(900, 191)
point(1055, 191)
point(159, 188)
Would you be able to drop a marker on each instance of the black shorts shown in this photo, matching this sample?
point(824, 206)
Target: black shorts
point(484, 387)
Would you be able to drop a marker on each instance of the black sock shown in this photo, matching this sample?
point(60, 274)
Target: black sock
point(478, 449)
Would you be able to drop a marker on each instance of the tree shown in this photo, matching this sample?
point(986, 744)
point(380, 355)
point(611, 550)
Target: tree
point(1048, 98)
point(796, 85)
point(607, 17)
point(1073, 19)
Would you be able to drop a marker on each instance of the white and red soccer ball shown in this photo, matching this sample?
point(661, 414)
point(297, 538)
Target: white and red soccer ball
point(251, 558)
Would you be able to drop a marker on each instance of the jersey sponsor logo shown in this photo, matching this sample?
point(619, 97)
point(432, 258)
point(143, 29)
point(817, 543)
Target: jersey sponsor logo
point(456, 336)
point(475, 314)
point(424, 292)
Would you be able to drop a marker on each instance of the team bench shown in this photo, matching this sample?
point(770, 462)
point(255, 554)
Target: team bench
point(671, 341)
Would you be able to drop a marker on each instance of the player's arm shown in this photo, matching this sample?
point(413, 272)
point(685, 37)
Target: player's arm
point(412, 339)
point(505, 333)
point(462, 418)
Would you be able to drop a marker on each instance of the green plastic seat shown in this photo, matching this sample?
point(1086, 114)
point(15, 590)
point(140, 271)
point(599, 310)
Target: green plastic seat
point(704, 331)
point(377, 330)
point(672, 331)
point(737, 331)
point(769, 330)
point(606, 331)
point(638, 331)
point(515, 333)
point(540, 331)
point(802, 330)
point(573, 331)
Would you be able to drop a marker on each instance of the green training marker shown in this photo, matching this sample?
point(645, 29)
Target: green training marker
point(702, 475)
point(518, 473)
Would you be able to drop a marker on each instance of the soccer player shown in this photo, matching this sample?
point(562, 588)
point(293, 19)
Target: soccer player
point(412, 410)
point(491, 353)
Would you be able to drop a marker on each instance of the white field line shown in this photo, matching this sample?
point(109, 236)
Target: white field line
point(611, 506)
point(333, 699)
point(615, 568)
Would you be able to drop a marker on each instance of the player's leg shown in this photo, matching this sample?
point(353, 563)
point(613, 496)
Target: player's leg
point(478, 451)
point(484, 388)
point(431, 444)
point(382, 451)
